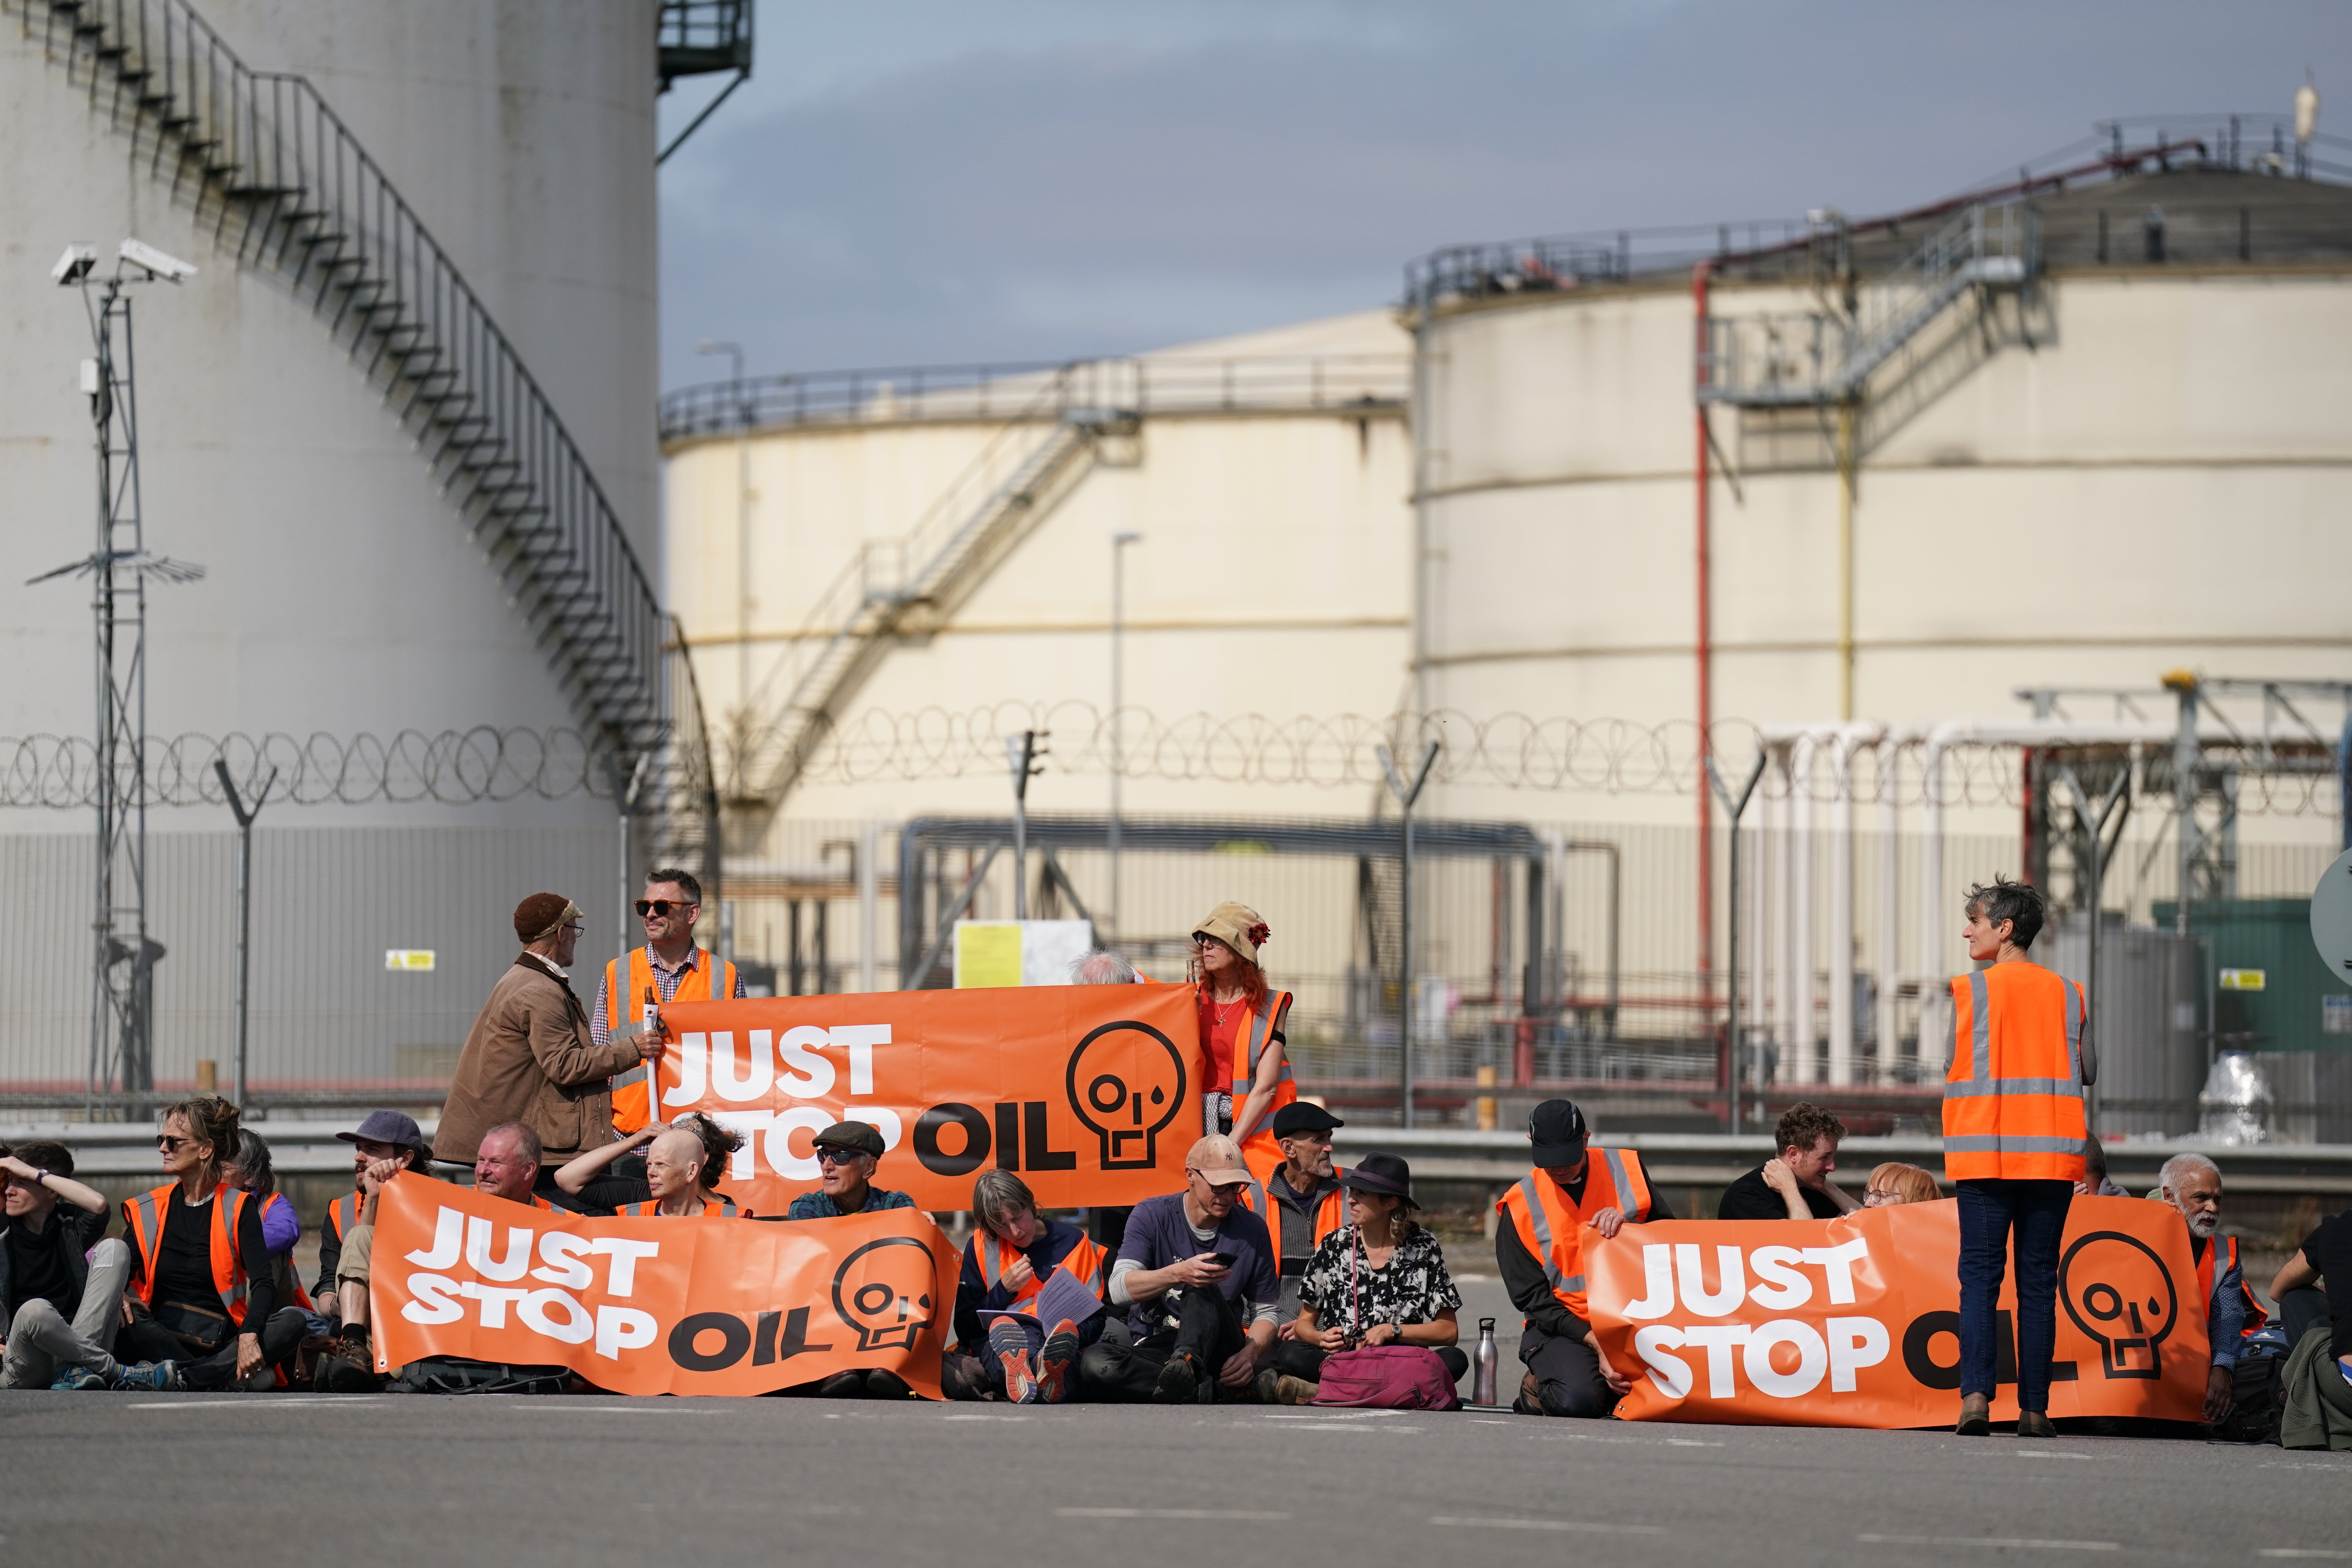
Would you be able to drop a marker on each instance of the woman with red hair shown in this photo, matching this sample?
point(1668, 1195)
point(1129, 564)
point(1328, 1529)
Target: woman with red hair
point(1240, 1023)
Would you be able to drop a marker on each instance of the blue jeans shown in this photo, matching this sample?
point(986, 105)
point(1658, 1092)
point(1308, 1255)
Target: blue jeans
point(1988, 1210)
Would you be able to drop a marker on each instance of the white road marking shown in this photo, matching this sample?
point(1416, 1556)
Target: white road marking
point(246, 1402)
point(2326, 1552)
point(2001, 1543)
point(1577, 1524)
point(538, 1408)
point(982, 1417)
point(1165, 1513)
point(2046, 1454)
point(1690, 1443)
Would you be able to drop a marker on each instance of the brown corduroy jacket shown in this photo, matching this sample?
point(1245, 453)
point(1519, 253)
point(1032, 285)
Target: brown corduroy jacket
point(530, 1058)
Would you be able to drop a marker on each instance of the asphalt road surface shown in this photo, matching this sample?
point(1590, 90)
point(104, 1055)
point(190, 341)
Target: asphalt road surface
point(238, 1481)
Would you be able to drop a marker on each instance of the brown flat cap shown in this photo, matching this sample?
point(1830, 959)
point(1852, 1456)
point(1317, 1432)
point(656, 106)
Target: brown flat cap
point(537, 916)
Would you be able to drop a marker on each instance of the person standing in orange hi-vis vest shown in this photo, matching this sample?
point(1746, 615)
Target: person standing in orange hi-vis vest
point(1539, 1251)
point(2013, 1133)
point(669, 968)
point(1241, 1026)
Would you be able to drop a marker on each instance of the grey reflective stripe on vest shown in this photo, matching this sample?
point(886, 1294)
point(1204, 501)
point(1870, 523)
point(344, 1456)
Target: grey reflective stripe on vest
point(2010, 1086)
point(1261, 1030)
point(1258, 1205)
point(2008, 1143)
point(1980, 1026)
point(150, 1231)
point(239, 1286)
point(1535, 1216)
point(1623, 1182)
point(2074, 1029)
point(725, 1206)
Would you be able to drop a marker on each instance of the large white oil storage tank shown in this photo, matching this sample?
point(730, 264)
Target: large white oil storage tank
point(401, 415)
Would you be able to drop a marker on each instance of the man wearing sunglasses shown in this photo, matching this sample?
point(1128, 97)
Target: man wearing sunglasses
point(530, 1057)
point(1200, 1277)
point(669, 966)
point(847, 1154)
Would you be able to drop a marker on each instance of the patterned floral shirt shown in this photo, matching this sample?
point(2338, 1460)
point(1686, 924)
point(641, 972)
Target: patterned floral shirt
point(1413, 1287)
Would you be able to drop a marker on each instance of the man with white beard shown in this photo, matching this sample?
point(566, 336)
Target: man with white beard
point(2192, 1184)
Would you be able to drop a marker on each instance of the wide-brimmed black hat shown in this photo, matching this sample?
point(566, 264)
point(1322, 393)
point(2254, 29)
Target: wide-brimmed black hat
point(1382, 1173)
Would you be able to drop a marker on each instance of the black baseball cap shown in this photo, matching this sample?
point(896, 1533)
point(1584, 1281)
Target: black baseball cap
point(1300, 1116)
point(857, 1137)
point(1556, 1130)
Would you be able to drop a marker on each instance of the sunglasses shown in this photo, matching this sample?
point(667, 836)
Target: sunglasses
point(838, 1156)
point(661, 908)
point(171, 1145)
point(1224, 1189)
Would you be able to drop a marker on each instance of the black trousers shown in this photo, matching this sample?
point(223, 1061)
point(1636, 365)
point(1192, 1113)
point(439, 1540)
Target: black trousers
point(1568, 1374)
point(1296, 1360)
point(2298, 1311)
point(1206, 1326)
point(143, 1339)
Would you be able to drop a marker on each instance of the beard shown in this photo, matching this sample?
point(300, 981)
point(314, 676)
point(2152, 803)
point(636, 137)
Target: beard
point(2203, 1226)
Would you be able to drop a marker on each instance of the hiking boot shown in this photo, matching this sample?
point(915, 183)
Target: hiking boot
point(348, 1368)
point(1528, 1403)
point(1057, 1363)
point(1179, 1380)
point(1976, 1416)
point(1019, 1382)
point(848, 1384)
point(1281, 1388)
point(884, 1384)
point(149, 1377)
point(76, 1380)
point(2036, 1424)
point(960, 1378)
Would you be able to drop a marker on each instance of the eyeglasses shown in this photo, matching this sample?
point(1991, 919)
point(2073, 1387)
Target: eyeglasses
point(171, 1145)
point(661, 908)
point(838, 1156)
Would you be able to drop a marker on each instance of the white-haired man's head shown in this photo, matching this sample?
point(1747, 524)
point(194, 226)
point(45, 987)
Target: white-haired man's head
point(674, 1163)
point(1103, 967)
point(2192, 1184)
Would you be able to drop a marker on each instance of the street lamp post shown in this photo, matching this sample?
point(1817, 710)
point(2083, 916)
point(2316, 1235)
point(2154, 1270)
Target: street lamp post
point(244, 815)
point(1118, 543)
point(734, 352)
point(1734, 807)
point(1406, 795)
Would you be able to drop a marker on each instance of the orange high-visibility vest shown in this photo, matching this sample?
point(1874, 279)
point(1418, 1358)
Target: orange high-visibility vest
point(293, 1280)
point(2013, 1097)
point(2207, 1273)
point(343, 1213)
point(633, 1100)
point(1330, 1209)
point(720, 1207)
point(1260, 1153)
point(1084, 1263)
point(143, 1217)
point(1551, 1224)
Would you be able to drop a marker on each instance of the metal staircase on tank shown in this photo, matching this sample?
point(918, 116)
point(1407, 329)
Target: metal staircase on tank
point(1826, 356)
point(911, 585)
point(282, 184)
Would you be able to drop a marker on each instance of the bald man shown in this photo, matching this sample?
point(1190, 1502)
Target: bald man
point(677, 1159)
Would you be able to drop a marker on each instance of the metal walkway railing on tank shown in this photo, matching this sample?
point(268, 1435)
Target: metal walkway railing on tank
point(282, 183)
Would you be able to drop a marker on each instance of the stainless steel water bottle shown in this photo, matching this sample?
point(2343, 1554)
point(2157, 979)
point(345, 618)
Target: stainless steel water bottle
point(1481, 1384)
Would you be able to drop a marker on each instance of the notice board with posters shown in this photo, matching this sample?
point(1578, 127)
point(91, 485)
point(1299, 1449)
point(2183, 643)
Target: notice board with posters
point(1090, 1092)
point(1855, 1321)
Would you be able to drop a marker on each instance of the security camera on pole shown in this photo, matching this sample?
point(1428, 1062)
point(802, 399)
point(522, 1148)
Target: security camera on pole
point(122, 984)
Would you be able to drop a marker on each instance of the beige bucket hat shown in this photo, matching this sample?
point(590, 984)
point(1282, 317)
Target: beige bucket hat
point(1238, 926)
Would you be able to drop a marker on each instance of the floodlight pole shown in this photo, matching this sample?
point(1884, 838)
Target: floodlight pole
point(244, 815)
point(631, 795)
point(1406, 795)
point(1021, 753)
point(2095, 820)
point(1734, 808)
point(1118, 543)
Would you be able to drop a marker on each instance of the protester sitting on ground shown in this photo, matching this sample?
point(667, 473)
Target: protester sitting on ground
point(1382, 1280)
point(385, 1135)
point(1012, 1253)
point(631, 1191)
point(1103, 967)
point(2095, 1182)
point(1895, 1183)
point(203, 1290)
point(349, 1367)
point(1796, 1183)
point(60, 1285)
point(254, 1173)
point(679, 1174)
point(506, 1164)
point(2192, 1184)
point(2314, 1292)
point(531, 1056)
point(1300, 1199)
point(1198, 1275)
point(847, 1153)
point(1540, 1252)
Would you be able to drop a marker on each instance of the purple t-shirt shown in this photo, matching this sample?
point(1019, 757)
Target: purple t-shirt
point(1157, 1235)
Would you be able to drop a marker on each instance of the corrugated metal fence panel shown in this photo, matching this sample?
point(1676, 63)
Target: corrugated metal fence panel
point(327, 904)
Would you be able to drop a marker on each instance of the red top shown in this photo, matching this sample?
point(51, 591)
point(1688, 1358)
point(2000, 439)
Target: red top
point(1221, 1027)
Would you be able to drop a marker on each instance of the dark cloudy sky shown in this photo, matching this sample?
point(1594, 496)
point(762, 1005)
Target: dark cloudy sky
point(909, 182)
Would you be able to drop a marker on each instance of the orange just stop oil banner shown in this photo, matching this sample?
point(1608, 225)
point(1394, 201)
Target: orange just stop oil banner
point(1855, 1321)
point(658, 1306)
point(1091, 1092)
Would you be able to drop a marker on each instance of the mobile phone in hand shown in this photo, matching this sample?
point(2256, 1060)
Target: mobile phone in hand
point(1221, 1259)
